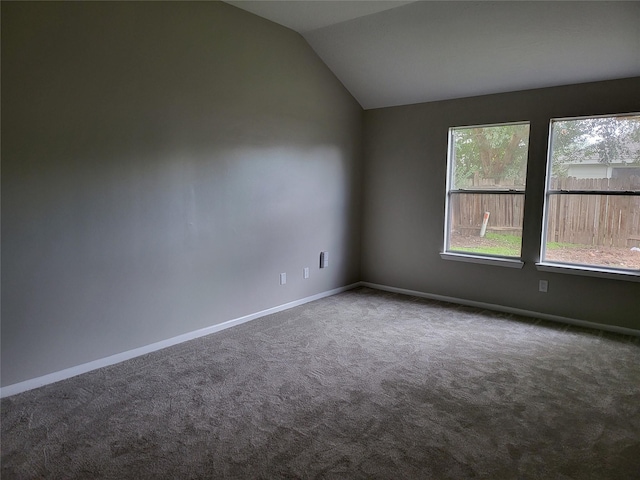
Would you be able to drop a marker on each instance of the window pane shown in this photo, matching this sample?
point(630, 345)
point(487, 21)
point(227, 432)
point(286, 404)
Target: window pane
point(503, 235)
point(592, 228)
point(493, 157)
point(597, 230)
point(601, 153)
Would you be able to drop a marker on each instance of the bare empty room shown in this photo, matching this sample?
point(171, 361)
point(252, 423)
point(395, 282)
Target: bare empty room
point(369, 239)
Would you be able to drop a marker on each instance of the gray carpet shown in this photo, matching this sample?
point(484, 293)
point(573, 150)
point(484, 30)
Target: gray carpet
point(365, 384)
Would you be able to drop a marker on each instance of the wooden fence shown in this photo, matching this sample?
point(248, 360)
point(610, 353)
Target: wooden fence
point(506, 212)
point(604, 220)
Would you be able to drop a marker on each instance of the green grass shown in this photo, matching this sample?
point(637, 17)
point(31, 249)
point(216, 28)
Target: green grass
point(503, 245)
point(499, 251)
point(505, 238)
point(558, 245)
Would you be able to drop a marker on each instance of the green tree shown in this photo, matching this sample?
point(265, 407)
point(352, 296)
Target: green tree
point(497, 152)
point(609, 139)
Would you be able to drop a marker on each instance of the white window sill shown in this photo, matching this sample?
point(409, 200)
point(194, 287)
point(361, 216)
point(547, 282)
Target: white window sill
point(483, 259)
point(589, 271)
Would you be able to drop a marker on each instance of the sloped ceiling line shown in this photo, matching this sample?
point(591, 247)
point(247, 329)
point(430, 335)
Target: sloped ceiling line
point(397, 53)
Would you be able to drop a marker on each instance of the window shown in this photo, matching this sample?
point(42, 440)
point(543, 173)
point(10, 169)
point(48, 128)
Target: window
point(486, 179)
point(592, 200)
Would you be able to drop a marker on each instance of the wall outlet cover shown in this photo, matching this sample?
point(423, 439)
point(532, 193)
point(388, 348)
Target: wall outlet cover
point(543, 286)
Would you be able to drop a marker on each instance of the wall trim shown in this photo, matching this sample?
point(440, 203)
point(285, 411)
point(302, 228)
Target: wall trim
point(54, 377)
point(502, 308)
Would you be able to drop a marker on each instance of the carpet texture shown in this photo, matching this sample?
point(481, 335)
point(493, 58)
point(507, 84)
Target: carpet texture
point(365, 384)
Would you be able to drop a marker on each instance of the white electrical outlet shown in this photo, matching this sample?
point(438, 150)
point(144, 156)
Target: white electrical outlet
point(543, 286)
point(305, 272)
point(283, 278)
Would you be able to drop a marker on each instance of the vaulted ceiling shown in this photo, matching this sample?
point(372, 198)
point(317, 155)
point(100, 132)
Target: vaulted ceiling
point(397, 52)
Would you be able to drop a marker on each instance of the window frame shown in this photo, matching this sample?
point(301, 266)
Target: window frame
point(480, 258)
point(567, 267)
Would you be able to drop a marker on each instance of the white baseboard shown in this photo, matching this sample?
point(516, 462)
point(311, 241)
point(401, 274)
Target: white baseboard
point(136, 352)
point(30, 384)
point(502, 308)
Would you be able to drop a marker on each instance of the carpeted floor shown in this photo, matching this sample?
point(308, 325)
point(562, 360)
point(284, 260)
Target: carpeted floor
point(365, 384)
